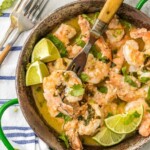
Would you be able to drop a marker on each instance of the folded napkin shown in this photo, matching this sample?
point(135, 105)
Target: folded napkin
point(15, 126)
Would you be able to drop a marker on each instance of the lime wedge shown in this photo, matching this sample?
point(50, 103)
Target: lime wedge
point(35, 73)
point(45, 50)
point(108, 138)
point(125, 123)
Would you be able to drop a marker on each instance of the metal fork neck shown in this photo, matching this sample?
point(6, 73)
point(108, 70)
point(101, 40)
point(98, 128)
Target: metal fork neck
point(98, 28)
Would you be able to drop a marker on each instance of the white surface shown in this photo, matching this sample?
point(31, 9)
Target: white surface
point(7, 88)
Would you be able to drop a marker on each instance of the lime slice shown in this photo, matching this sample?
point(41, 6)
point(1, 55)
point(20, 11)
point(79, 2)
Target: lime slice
point(35, 73)
point(108, 138)
point(45, 50)
point(125, 123)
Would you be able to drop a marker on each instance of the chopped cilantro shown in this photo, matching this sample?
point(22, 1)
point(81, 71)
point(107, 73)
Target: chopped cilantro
point(80, 42)
point(148, 97)
point(117, 32)
point(109, 114)
point(80, 118)
point(127, 78)
point(84, 77)
point(65, 139)
point(131, 117)
point(136, 114)
point(126, 24)
point(113, 65)
point(130, 81)
point(90, 115)
point(91, 21)
point(144, 79)
point(65, 117)
point(102, 89)
point(5, 5)
point(60, 46)
point(77, 90)
point(97, 54)
point(124, 71)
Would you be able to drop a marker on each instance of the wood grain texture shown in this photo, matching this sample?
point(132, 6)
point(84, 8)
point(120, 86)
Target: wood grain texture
point(109, 9)
point(4, 53)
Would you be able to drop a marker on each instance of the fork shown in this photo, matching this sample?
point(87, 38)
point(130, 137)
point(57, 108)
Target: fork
point(25, 19)
point(105, 16)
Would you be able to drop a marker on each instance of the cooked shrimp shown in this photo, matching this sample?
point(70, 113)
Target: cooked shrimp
point(115, 32)
point(132, 54)
point(145, 35)
point(89, 129)
point(115, 35)
point(59, 64)
point(101, 98)
point(144, 128)
point(134, 104)
point(72, 133)
point(64, 33)
point(118, 45)
point(55, 105)
point(146, 39)
point(95, 69)
point(85, 28)
point(73, 50)
point(105, 49)
point(57, 87)
point(138, 33)
point(125, 91)
point(118, 61)
point(115, 24)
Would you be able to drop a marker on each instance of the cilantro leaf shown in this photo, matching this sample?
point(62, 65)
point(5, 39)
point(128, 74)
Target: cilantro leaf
point(131, 117)
point(6, 4)
point(128, 78)
point(60, 46)
point(80, 42)
point(130, 81)
point(84, 77)
point(102, 89)
point(126, 24)
point(97, 54)
point(65, 139)
point(148, 97)
point(65, 117)
point(124, 71)
point(90, 20)
point(77, 90)
point(109, 114)
point(144, 79)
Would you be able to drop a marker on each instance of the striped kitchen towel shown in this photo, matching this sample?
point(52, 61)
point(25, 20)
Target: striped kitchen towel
point(14, 125)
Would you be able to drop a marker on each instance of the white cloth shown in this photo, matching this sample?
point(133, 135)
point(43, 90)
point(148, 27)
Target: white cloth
point(14, 124)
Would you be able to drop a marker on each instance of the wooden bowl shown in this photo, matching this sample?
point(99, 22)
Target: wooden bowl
point(27, 102)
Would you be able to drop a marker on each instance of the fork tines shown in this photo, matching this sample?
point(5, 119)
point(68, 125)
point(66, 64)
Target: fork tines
point(34, 8)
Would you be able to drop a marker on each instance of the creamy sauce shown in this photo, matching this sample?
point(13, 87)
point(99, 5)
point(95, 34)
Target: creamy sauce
point(55, 123)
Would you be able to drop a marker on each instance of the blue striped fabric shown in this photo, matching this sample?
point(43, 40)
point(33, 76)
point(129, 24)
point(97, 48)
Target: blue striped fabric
point(21, 133)
point(15, 48)
point(16, 128)
point(5, 15)
point(7, 77)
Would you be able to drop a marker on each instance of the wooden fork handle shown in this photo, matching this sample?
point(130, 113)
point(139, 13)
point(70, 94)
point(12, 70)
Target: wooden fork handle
point(109, 10)
point(4, 53)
